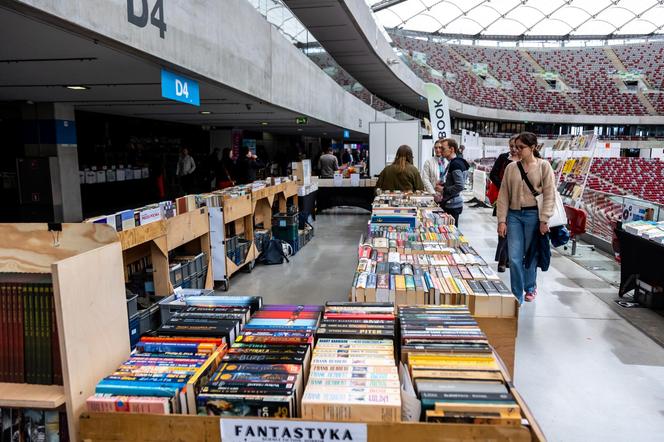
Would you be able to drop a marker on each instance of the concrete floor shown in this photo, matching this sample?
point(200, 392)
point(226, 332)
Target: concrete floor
point(586, 373)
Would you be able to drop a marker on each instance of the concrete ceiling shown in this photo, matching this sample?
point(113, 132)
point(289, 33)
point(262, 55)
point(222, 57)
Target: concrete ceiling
point(336, 29)
point(38, 61)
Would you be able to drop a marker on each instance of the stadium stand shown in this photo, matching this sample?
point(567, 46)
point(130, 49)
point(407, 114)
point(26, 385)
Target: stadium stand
point(331, 68)
point(589, 75)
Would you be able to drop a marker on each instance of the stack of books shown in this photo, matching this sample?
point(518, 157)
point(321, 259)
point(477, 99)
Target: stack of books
point(264, 372)
point(161, 377)
point(224, 322)
point(650, 230)
point(409, 279)
point(29, 345)
point(454, 370)
point(399, 199)
point(354, 379)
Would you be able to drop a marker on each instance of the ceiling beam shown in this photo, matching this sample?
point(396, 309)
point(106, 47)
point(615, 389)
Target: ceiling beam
point(384, 4)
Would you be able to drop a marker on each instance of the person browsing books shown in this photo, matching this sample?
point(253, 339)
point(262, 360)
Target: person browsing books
point(455, 180)
point(433, 172)
point(519, 218)
point(328, 164)
point(401, 174)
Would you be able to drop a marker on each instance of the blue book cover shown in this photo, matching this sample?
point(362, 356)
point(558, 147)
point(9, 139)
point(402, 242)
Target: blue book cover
point(136, 388)
point(163, 347)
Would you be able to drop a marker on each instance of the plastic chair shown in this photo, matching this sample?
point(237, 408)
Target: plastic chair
point(576, 221)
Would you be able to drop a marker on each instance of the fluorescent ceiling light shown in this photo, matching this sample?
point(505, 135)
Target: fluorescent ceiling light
point(77, 88)
point(205, 112)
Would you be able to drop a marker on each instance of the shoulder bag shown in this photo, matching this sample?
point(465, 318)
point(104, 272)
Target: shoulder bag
point(559, 217)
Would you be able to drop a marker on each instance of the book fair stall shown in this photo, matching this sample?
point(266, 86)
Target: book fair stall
point(423, 349)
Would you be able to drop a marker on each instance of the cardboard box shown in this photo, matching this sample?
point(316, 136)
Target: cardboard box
point(302, 170)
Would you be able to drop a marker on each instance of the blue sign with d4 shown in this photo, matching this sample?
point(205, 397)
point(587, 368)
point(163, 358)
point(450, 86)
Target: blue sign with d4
point(179, 88)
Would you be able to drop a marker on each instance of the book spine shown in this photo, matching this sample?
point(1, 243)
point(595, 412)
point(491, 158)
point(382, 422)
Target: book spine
point(46, 327)
point(55, 346)
point(3, 336)
point(13, 334)
point(41, 368)
point(29, 334)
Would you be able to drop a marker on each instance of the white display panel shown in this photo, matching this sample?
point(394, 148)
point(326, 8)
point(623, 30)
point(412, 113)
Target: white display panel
point(386, 137)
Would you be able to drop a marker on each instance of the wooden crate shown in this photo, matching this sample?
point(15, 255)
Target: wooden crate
point(502, 333)
point(236, 208)
point(85, 264)
point(100, 427)
point(187, 227)
point(261, 201)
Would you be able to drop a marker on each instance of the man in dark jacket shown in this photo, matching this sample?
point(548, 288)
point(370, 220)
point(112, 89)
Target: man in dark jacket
point(455, 180)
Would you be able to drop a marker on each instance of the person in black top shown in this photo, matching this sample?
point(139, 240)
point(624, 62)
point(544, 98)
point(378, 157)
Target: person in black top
point(225, 169)
point(496, 177)
point(246, 166)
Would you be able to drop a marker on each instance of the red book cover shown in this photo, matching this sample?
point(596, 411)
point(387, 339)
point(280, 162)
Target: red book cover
point(18, 333)
point(11, 322)
point(275, 340)
point(275, 314)
point(3, 336)
point(55, 347)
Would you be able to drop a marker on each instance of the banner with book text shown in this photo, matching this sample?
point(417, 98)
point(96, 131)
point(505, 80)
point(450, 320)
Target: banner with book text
point(439, 111)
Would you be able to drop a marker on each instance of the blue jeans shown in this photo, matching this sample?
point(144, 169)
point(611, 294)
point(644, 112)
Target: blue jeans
point(522, 226)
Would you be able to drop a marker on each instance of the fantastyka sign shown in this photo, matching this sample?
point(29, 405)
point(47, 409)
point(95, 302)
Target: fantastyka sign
point(254, 430)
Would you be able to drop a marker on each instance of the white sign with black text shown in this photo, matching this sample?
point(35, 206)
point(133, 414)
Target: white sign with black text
point(260, 430)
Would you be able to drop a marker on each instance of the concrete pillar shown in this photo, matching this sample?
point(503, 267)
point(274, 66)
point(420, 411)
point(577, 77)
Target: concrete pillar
point(49, 131)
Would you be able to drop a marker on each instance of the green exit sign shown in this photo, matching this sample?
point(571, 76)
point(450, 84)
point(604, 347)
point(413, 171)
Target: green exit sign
point(301, 120)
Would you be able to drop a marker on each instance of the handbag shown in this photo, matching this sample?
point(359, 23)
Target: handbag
point(492, 192)
point(559, 217)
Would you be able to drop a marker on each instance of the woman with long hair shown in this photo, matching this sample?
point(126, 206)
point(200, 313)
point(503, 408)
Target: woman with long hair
point(519, 218)
point(401, 174)
point(496, 177)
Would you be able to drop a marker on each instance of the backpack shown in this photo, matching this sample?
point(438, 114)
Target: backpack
point(273, 253)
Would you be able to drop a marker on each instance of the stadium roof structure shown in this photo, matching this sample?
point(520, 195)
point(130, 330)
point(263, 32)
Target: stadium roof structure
point(524, 19)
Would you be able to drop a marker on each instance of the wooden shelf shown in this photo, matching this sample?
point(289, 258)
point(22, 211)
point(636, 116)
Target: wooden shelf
point(31, 396)
point(148, 427)
point(185, 228)
point(85, 264)
point(142, 234)
point(236, 208)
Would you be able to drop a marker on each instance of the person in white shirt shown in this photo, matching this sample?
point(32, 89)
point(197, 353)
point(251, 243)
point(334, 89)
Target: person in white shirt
point(433, 172)
point(185, 170)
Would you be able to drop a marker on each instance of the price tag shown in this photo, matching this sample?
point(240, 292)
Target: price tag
point(281, 430)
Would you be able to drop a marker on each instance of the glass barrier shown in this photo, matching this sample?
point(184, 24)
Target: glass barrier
point(605, 210)
point(282, 18)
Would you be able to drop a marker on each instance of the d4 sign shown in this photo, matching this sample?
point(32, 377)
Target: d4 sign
point(140, 17)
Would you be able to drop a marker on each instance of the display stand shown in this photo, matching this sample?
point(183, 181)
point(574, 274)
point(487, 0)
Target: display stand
point(236, 214)
point(149, 240)
point(572, 150)
point(190, 229)
point(98, 427)
point(85, 263)
point(289, 192)
point(262, 201)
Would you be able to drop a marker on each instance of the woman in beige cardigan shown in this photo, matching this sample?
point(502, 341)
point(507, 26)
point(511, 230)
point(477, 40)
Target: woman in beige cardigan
point(518, 215)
